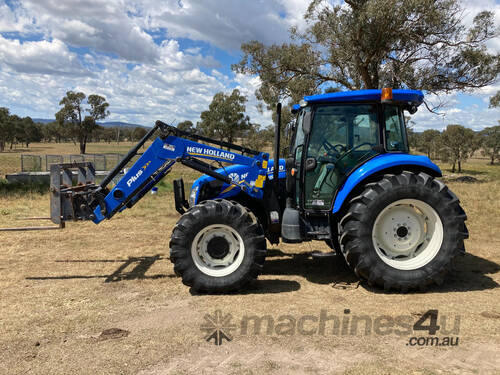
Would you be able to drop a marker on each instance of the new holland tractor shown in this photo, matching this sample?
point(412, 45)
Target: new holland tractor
point(348, 180)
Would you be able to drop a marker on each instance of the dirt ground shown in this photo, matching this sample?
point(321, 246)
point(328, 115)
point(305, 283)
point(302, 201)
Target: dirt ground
point(105, 300)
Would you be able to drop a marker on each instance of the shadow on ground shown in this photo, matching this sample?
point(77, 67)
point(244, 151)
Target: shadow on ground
point(140, 265)
point(470, 273)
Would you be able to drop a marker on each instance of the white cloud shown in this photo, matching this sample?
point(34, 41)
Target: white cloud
point(13, 20)
point(102, 25)
point(463, 111)
point(223, 23)
point(248, 85)
point(172, 89)
point(41, 57)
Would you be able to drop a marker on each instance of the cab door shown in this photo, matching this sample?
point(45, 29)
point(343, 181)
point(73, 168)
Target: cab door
point(341, 137)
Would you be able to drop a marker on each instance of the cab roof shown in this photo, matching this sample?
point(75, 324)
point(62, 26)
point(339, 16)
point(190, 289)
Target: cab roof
point(414, 97)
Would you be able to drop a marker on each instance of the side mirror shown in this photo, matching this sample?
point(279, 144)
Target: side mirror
point(306, 122)
point(412, 108)
point(310, 164)
point(288, 130)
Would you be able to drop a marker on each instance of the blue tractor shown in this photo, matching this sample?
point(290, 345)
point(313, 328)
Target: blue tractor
point(348, 180)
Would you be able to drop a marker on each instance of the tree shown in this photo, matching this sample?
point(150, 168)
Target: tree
point(225, 118)
point(137, 133)
point(55, 131)
point(4, 123)
point(30, 132)
point(491, 143)
point(186, 126)
point(457, 142)
point(495, 100)
point(257, 138)
point(368, 44)
point(72, 115)
point(98, 107)
point(14, 129)
point(428, 142)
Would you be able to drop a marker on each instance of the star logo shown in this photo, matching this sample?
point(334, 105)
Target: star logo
point(218, 327)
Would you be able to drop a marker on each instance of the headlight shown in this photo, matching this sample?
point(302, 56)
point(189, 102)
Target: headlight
point(192, 196)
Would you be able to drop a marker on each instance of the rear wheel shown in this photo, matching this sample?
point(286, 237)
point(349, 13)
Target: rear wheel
point(217, 246)
point(403, 231)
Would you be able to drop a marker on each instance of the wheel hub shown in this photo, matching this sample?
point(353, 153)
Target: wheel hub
point(402, 231)
point(217, 250)
point(218, 247)
point(407, 234)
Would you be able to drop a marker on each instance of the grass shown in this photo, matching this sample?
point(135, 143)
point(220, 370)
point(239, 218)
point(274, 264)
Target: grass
point(61, 289)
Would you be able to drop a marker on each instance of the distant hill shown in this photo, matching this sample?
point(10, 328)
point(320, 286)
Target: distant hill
point(107, 124)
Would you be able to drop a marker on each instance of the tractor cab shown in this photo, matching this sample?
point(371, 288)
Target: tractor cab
point(335, 134)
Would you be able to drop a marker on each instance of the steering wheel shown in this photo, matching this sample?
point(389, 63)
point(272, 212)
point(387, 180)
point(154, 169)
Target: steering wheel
point(355, 148)
point(332, 149)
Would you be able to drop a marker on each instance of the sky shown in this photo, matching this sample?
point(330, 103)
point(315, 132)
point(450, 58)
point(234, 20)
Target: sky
point(166, 59)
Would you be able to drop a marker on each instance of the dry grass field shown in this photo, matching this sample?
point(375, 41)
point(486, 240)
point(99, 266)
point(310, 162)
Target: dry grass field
point(105, 300)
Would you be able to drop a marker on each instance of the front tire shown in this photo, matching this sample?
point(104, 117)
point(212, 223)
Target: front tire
point(403, 231)
point(217, 246)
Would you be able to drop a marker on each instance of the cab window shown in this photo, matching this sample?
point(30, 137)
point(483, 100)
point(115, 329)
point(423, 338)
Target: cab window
point(395, 134)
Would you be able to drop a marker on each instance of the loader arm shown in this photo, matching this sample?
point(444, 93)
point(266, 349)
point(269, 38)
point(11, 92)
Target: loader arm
point(171, 146)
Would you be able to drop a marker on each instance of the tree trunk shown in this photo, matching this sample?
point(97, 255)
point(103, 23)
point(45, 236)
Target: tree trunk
point(459, 166)
point(492, 159)
point(82, 146)
point(453, 168)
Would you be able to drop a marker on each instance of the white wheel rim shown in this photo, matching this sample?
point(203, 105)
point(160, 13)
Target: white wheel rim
point(218, 266)
point(407, 234)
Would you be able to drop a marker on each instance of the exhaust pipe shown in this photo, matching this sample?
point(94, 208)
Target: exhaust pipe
point(277, 135)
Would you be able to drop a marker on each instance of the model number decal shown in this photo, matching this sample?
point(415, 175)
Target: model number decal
point(132, 179)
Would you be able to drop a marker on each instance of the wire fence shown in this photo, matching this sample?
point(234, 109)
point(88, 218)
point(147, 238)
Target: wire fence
point(41, 163)
point(31, 163)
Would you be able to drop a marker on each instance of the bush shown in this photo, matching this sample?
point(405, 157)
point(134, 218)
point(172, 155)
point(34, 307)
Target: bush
point(8, 187)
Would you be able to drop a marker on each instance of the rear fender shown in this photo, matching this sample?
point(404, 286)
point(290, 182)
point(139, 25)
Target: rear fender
point(379, 164)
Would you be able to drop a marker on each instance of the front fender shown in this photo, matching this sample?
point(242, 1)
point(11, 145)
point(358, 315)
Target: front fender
point(377, 164)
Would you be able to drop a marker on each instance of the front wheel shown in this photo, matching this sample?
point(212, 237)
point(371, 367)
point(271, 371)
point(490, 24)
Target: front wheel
point(217, 246)
point(403, 231)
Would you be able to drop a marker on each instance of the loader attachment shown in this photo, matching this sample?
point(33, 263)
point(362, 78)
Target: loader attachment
point(67, 200)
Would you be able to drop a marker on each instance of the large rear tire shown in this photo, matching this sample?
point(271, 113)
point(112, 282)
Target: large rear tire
point(403, 231)
point(217, 246)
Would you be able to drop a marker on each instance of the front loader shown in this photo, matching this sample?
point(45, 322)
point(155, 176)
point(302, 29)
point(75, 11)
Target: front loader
point(348, 180)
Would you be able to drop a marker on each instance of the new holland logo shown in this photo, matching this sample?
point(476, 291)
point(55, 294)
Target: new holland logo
point(200, 151)
point(234, 177)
